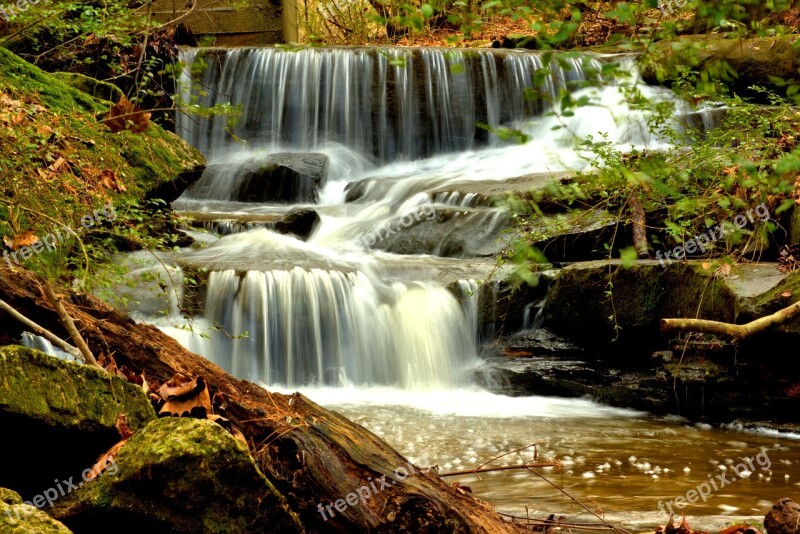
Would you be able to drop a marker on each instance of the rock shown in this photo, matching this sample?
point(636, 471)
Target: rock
point(355, 190)
point(300, 222)
point(454, 233)
point(794, 228)
point(579, 235)
point(284, 177)
point(53, 403)
point(19, 518)
point(755, 60)
point(647, 292)
point(8, 496)
point(102, 90)
point(783, 517)
point(180, 475)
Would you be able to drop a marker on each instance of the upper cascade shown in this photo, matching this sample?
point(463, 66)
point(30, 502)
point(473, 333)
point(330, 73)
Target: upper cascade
point(385, 103)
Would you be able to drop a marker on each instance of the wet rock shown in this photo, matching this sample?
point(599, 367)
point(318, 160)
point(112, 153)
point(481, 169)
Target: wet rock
point(355, 190)
point(783, 517)
point(53, 403)
point(284, 178)
point(180, 475)
point(300, 222)
point(19, 518)
point(539, 342)
point(450, 233)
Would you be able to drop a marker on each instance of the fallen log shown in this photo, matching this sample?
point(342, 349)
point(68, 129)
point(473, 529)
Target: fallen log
point(736, 331)
point(313, 456)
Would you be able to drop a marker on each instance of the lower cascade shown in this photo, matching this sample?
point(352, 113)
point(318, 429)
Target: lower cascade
point(318, 327)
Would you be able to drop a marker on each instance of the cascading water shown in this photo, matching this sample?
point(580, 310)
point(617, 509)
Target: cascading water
point(376, 313)
point(398, 130)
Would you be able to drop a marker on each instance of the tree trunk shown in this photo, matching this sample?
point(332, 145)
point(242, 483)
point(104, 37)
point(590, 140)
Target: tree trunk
point(312, 455)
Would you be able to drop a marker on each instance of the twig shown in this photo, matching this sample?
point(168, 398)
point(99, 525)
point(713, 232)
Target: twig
point(69, 324)
point(504, 468)
point(48, 335)
point(579, 503)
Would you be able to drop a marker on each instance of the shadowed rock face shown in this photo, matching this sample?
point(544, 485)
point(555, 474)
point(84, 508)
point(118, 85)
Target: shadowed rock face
point(285, 177)
point(53, 403)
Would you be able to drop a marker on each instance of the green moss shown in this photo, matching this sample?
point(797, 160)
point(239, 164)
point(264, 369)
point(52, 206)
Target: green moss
point(66, 394)
point(60, 121)
point(187, 475)
point(96, 88)
point(27, 519)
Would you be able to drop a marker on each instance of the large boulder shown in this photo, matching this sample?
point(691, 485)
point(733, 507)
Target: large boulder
point(783, 517)
point(180, 475)
point(45, 403)
point(19, 518)
point(285, 178)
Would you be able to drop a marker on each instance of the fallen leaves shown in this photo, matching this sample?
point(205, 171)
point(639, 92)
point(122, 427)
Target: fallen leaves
point(184, 397)
point(126, 116)
point(25, 239)
point(789, 258)
point(110, 180)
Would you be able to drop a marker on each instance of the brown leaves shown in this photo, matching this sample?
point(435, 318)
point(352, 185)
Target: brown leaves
point(25, 239)
point(185, 397)
point(789, 258)
point(126, 116)
point(740, 529)
point(110, 180)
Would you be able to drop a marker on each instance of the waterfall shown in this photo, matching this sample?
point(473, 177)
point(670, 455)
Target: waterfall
point(318, 327)
point(391, 142)
point(389, 103)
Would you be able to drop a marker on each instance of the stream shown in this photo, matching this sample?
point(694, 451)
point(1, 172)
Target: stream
point(375, 314)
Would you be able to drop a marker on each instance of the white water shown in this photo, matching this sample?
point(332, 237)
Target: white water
point(392, 340)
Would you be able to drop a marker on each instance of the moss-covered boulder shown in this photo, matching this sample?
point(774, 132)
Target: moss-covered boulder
point(19, 518)
point(180, 475)
point(55, 120)
point(47, 404)
point(608, 301)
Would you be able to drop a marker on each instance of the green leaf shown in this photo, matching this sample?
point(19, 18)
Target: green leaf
point(427, 10)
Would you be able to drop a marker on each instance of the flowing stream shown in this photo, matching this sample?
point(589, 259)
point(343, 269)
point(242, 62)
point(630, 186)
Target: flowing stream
point(376, 313)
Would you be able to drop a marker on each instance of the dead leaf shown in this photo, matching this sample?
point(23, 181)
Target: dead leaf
point(110, 180)
point(25, 239)
point(57, 164)
point(125, 116)
point(185, 397)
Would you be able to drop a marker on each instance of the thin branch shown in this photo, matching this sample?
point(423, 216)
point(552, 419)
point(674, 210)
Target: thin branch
point(48, 335)
point(69, 324)
point(504, 468)
point(579, 503)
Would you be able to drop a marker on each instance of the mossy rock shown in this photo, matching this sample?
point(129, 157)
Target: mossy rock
point(580, 306)
point(101, 90)
point(48, 401)
point(26, 519)
point(152, 164)
point(180, 475)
